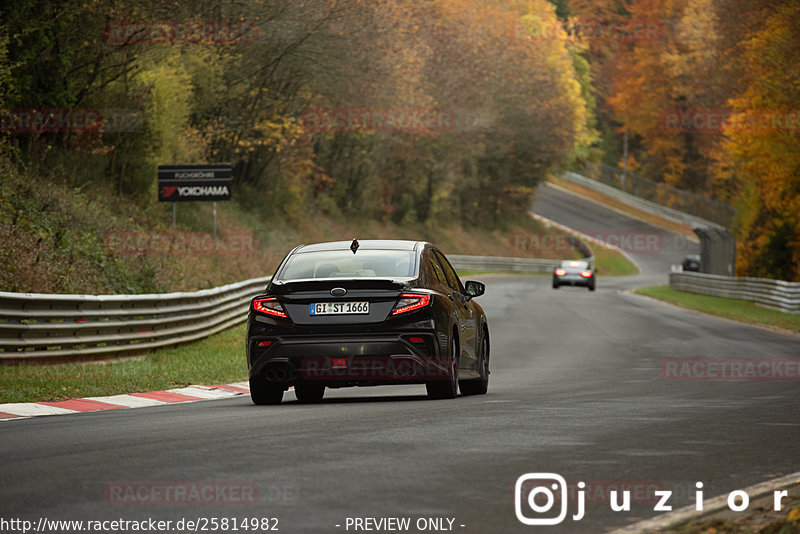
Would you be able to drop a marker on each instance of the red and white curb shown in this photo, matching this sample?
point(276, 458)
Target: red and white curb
point(24, 410)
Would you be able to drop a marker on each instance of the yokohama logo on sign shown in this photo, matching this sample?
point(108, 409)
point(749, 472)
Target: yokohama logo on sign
point(175, 193)
point(180, 183)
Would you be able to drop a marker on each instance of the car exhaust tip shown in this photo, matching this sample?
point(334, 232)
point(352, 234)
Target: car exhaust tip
point(278, 374)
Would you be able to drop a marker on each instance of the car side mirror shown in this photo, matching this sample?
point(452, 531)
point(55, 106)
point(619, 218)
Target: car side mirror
point(474, 289)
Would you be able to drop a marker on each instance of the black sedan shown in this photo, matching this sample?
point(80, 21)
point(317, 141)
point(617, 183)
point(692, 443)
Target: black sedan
point(574, 273)
point(691, 263)
point(361, 314)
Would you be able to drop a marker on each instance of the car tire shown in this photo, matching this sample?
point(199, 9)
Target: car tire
point(309, 393)
point(555, 285)
point(446, 389)
point(263, 392)
point(479, 386)
point(591, 287)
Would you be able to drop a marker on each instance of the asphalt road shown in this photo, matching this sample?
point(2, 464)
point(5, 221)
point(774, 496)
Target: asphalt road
point(575, 390)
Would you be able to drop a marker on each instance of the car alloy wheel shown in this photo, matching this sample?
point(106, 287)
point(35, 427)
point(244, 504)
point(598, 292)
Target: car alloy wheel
point(447, 389)
point(479, 386)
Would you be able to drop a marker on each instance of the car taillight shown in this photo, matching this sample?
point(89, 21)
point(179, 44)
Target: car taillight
point(561, 272)
point(586, 274)
point(270, 306)
point(410, 302)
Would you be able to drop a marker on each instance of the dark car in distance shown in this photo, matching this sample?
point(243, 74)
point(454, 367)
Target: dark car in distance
point(574, 273)
point(344, 314)
point(691, 263)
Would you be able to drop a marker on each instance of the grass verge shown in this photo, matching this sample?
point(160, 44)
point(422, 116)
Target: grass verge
point(736, 309)
point(759, 518)
point(218, 359)
point(609, 262)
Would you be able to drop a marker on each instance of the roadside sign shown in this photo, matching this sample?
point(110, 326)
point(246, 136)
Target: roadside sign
point(192, 183)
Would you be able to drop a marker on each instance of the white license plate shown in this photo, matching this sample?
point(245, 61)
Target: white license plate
point(338, 308)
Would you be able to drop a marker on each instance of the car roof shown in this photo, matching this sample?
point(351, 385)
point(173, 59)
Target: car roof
point(367, 244)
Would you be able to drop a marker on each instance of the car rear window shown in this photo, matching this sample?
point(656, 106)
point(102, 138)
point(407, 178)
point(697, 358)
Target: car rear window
point(574, 264)
point(327, 264)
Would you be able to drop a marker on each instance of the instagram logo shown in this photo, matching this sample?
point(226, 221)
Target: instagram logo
point(540, 491)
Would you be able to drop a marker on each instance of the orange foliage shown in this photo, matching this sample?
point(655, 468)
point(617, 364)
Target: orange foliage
point(766, 161)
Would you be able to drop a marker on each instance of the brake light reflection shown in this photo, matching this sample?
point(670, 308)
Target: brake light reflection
point(411, 301)
point(270, 306)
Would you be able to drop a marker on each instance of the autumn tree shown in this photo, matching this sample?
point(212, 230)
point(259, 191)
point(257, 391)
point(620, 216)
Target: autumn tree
point(762, 146)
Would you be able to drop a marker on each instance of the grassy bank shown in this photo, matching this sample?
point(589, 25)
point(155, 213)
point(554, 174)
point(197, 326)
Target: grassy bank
point(609, 262)
point(736, 309)
point(218, 359)
point(759, 518)
point(55, 238)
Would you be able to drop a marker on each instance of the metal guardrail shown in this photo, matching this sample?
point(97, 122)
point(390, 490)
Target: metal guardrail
point(51, 327)
point(512, 265)
point(38, 326)
point(661, 193)
point(717, 244)
point(648, 206)
point(773, 294)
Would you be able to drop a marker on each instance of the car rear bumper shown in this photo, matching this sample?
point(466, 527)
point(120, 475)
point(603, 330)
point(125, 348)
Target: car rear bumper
point(573, 280)
point(348, 360)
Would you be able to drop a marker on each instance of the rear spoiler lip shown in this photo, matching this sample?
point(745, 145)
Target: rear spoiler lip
point(315, 284)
